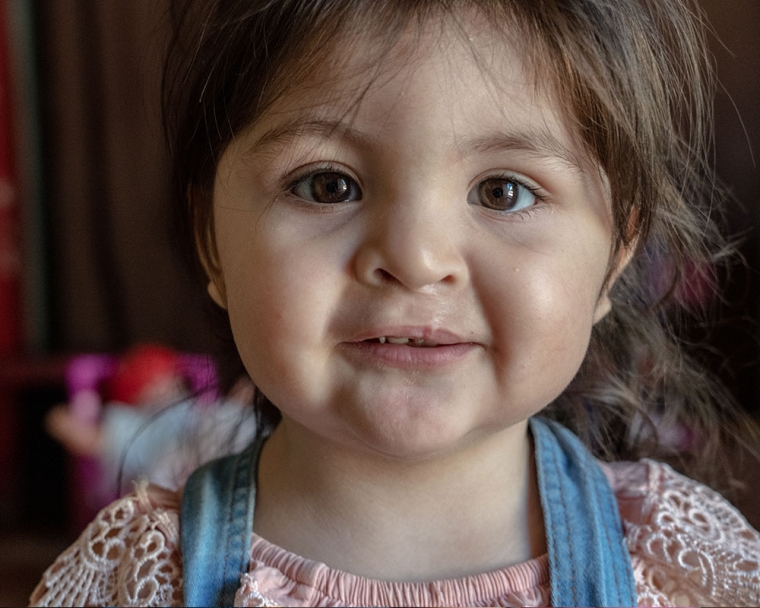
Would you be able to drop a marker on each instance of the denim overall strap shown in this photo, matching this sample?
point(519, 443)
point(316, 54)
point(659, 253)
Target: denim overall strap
point(588, 561)
point(217, 526)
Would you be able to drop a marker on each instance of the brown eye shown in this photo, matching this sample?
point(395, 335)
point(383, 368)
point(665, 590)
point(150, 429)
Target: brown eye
point(501, 194)
point(327, 187)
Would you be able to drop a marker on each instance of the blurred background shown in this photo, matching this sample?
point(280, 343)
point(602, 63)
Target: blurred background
point(87, 266)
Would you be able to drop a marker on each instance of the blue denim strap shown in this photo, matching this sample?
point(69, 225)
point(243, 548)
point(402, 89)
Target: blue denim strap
point(589, 563)
point(217, 527)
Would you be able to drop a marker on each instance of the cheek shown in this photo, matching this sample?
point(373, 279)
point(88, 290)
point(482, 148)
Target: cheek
point(279, 292)
point(540, 308)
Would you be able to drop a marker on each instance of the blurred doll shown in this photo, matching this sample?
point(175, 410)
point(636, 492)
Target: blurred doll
point(140, 419)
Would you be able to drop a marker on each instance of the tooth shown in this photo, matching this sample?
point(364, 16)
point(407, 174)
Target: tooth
point(382, 339)
point(398, 340)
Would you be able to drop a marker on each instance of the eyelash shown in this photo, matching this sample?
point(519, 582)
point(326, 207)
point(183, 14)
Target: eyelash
point(291, 182)
point(536, 191)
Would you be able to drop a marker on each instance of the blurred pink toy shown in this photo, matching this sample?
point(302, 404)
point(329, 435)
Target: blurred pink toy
point(145, 379)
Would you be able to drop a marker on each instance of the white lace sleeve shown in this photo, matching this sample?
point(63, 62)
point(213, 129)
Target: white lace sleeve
point(128, 556)
point(689, 546)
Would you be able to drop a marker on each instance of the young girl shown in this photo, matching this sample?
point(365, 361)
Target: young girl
point(439, 229)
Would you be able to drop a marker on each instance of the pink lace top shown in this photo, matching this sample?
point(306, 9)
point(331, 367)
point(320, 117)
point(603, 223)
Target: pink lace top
point(688, 547)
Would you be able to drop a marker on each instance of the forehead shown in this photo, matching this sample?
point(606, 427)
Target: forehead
point(477, 80)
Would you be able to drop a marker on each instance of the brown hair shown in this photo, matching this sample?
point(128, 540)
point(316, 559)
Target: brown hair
point(635, 79)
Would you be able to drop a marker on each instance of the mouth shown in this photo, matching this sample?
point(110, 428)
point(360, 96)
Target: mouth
point(410, 347)
point(415, 342)
point(417, 336)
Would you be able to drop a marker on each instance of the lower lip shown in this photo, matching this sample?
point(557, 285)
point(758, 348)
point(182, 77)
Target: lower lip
point(409, 357)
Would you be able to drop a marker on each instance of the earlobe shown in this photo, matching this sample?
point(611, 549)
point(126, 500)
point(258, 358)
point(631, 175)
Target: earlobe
point(603, 307)
point(217, 294)
point(206, 249)
point(604, 304)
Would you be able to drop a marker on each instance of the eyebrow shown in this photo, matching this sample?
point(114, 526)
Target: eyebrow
point(534, 142)
point(283, 134)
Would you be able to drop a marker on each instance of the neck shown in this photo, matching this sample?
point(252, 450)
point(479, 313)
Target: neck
point(473, 510)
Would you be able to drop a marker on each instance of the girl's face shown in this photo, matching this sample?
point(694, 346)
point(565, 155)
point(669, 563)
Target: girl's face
point(418, 271)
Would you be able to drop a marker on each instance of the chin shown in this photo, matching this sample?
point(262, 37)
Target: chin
point(417, 439)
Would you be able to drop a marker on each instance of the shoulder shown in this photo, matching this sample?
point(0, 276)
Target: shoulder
point(688, 544)
point(129, 555)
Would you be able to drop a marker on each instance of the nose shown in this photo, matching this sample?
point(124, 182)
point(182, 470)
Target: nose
point(412, 243)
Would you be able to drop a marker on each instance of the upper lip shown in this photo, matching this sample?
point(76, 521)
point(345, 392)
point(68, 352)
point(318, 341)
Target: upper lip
point(414, 332)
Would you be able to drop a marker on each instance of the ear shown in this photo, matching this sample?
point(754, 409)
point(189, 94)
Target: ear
point(217, 292)
point(205, 247)
point(604, 304)
point(215, 287)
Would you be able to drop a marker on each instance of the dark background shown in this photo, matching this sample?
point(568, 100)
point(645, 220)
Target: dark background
point(104, 274)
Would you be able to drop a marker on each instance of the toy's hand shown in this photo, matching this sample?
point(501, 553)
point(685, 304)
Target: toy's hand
point(79, 438)
point(86, 406)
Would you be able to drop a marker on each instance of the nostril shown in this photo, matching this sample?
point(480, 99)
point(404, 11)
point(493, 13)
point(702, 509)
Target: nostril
point(385, 276)
point(403, 265)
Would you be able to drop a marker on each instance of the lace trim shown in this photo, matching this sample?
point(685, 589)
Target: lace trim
point(128, 556)
point(249, 595)
point(688, 547)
